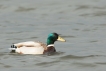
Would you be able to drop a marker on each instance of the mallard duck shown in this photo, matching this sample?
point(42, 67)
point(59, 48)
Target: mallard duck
point(32, 47)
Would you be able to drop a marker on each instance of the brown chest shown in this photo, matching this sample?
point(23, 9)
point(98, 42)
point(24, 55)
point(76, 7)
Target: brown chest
point(50, 49)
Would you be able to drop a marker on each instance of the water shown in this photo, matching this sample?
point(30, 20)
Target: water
point(81, 22)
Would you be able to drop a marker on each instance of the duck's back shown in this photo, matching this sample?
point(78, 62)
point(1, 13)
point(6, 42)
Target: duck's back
point(29, 47)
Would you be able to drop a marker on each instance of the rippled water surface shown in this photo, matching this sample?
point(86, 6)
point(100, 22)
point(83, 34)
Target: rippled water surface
point(81, 22)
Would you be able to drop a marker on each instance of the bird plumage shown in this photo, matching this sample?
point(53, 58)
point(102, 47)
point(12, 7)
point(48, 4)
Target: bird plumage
point(32, 47)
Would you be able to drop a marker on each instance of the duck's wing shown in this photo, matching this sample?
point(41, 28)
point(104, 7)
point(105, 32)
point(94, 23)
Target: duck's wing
point(29, 47)
point(27, 44)
point(31, 50)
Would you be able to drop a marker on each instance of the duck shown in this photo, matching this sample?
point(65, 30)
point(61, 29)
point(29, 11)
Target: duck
point(33, 47)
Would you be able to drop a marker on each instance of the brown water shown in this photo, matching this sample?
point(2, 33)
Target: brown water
point(81, 22)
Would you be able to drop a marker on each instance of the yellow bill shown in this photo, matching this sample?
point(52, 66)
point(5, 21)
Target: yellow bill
point(61, 39)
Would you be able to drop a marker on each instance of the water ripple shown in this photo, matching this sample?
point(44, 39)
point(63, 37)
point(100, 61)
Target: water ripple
point(101, 63)
point(77, 57)
point(100, 13)
point(22, 9)
point(68, 36)
point(47, 63)
point(84, 64)
point(82, 7)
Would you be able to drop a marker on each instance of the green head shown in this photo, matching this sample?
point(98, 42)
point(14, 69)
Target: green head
point(54, 37)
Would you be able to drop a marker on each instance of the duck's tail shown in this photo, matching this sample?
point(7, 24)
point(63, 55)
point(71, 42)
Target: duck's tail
point(13, 48)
